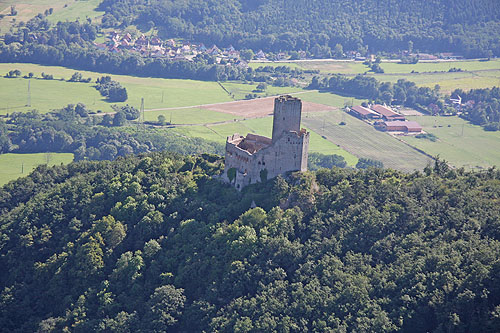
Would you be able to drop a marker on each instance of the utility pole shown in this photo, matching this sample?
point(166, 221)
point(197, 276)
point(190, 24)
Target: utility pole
point(140, 121)
point(162, 94)
point(29, 94)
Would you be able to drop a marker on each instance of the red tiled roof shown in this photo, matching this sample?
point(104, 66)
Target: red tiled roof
point(384, 111)
point(362, 110)
point(410, 125)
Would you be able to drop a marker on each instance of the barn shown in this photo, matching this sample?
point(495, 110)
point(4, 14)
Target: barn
point(386, 112)
point(363, 113)
point(401, 126)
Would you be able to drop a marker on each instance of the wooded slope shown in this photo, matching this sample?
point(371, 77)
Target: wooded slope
point(470, 27)
point(154, 243)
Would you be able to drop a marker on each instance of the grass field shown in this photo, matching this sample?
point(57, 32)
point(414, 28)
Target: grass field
point(240, 90)
point(52, 94)
point(459, 142)
point(63, 10)
point(343, 67)
point(448, 81)
point(357, 67)
point(157, 93)
point(327, 98)
point(440, 66)
point(475, 74)
point(190, 116)
point(76, 10)
point(13, 166)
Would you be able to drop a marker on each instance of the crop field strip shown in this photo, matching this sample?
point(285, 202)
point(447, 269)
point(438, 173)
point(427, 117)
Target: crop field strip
point(363, 140)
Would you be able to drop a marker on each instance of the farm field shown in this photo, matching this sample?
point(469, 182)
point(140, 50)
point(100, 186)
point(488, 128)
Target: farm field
point(458, 142)
point(63, 10)
point(190, 116)
point(240, 90)
point(363, 140)
point(325, 66)
point(448, 81)
point(357, 67)
point(262, 126)
point(262, 107)
point(441, 66)
point(157, 93)
point(76, 10)
point(475, 74)
point(13, 166)
point(52, 94)
point(327, 98)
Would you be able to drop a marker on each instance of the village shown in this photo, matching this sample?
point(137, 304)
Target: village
point(154, 47)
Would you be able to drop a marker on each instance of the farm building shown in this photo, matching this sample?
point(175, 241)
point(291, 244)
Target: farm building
point(401, 126)
point(386, 112)
point(363, 113)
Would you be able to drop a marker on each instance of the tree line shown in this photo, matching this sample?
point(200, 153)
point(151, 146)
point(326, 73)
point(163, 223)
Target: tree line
point(403, 92)
point(98, 137)
point(480, 106)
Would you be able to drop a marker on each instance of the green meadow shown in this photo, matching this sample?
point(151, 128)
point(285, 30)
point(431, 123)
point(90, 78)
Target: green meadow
point(13, 166)
point(458, 142)
point(327, 98)
point(76, 10)
point(441, 66)
point(190, 116)
point(63, 10)
point(448, 81)
point(240, 90)
point(325, 66)
point(475, 74)
point(52, 94)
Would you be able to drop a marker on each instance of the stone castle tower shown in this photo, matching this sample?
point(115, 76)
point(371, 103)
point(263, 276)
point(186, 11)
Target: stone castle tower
point(256, 158)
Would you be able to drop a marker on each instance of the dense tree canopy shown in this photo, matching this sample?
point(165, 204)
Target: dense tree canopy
point(71, 129)
point(470, 27)
point(480, 106)
point(155, 243)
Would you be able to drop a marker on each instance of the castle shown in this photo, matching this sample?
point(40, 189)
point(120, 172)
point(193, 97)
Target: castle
point(257, 158)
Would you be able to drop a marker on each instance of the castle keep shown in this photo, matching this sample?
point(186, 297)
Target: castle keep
point(255, 158)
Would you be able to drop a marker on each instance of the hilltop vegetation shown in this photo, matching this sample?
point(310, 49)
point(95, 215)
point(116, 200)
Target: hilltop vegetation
point(464, 26)
point(154, 243)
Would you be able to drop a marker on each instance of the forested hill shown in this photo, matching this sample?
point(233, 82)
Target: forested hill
point(154, 243)
point(471, 27)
